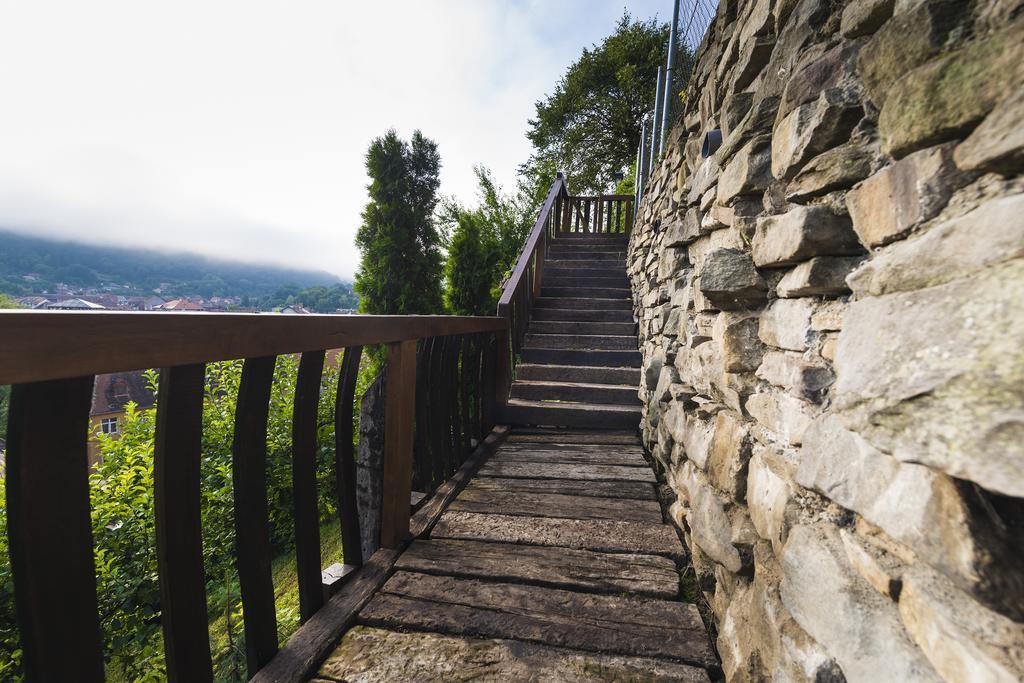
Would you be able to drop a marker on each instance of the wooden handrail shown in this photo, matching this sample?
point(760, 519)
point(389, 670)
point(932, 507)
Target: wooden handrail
point(41, 345)
point(532, 242)
point(51, 357)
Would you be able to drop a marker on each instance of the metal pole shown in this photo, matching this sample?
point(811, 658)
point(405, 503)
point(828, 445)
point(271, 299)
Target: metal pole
point(654, 121)
point(641, 163)
point(668, 73)
point(636, 173)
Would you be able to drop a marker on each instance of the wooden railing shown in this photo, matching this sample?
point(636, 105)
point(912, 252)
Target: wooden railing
point(562, 216)
point(605, 214)
point(438, 399)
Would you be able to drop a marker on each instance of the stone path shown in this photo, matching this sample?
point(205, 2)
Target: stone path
point(552, 564)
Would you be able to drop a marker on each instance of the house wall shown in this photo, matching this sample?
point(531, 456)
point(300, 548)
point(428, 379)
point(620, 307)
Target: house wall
point(831, 312)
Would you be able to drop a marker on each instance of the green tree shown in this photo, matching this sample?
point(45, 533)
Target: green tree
point(470, 269)
point(483, 242)
point(401, 265)
point(589, 126)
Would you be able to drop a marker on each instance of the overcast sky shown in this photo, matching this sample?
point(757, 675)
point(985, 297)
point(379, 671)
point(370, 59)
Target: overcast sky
point(237, 128)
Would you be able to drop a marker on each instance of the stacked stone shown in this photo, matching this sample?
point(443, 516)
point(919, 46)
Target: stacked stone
point(831, 314)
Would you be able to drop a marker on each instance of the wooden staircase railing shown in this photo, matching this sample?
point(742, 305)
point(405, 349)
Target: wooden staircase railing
point(562, 216)
point(438, 399)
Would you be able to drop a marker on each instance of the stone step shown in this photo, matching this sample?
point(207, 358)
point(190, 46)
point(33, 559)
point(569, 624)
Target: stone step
point(560, 279)
point(631, 626)
point(602, 342)
point(581, 327)
point(579, 373)
point(587, 245)
point(591, 415)
point(587, 357)
point(583, 315)
point(566, 568)
point(372, 655)
point(568, 269)
point(601, 238)
point(590, 257)
point(577, 392)
point(617, 266)
point(584, 293)
point(597, 304)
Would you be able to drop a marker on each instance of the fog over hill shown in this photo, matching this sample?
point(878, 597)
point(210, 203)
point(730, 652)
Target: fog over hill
point(31, 265)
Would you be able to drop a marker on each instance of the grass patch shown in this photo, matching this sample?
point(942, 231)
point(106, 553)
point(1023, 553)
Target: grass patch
point(227, 640)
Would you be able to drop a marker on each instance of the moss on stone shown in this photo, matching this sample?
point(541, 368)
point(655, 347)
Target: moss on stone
point(946, 97)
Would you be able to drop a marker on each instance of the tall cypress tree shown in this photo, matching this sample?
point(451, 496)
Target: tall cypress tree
point(400, 271)
point(470, 268)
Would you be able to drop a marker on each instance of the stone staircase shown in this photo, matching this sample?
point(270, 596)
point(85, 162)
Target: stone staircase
point(580, 366)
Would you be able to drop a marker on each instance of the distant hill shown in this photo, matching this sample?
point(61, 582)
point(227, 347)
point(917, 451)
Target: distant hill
point(30, 265)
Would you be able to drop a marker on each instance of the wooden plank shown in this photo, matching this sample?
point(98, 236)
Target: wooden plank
point(557, 505)
point(521, 435)
point(449, 384)
point(314, 639)
point(304, 493)
point(586, 534)
point(345, 458)
point(635, 490)
point(597, 623)
point(630, 450)
point(565, 568)
point(432, 409)
point(399, 417)
point(50, 531)
point(467, 384)
point(177, 452)
point(371, 654)
point(557, 470)
point(252, 527)
point(40, 345)
point(422, 460)
point(573, 456)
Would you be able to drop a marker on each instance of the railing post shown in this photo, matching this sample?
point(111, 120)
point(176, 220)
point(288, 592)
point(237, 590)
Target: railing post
point(177, 453)
point(503, 369)
point(399, 417)
point(50, 532)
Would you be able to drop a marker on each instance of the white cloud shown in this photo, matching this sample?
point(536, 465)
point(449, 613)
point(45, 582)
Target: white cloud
point(238, 128)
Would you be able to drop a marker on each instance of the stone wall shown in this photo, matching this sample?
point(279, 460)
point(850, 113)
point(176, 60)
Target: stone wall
point(831, 314)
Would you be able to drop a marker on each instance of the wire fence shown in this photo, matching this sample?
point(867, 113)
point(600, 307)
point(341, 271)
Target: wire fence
point(690, 22)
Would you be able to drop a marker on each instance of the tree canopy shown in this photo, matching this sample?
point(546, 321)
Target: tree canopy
point(483, 244)
point(400, 271)
point(589, 127)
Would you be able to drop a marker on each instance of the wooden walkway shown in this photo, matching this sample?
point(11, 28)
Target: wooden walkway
point(553, 563)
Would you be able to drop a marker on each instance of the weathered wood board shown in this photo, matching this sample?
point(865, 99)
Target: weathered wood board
point(368, 654)
point(523, 435)
point(565, 568)
point(587, 534)
point(557, 505)
point(556, 470)
point(634, 490)
point(597, 623)
point(608, 456)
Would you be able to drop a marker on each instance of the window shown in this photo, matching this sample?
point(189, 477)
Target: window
point(108, 425)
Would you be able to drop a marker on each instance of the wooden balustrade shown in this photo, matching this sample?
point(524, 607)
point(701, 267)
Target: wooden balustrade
point(439, 397)
point(606, 214)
